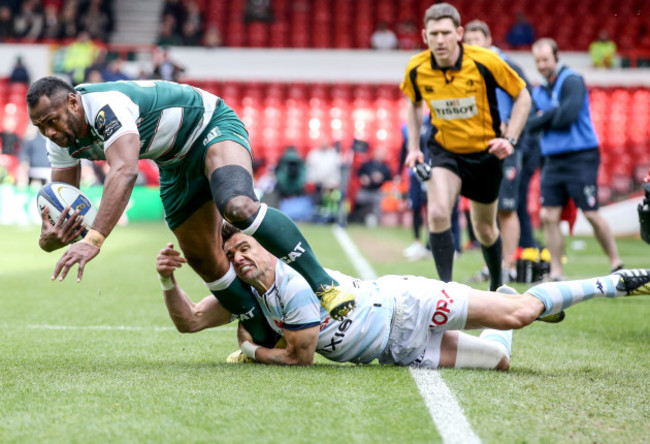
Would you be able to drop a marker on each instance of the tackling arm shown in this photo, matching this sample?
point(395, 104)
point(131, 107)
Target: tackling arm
point(187, 316)
point(301, 346)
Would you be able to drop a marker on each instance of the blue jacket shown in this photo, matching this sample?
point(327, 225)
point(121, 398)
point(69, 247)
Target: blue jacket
point(579, 135)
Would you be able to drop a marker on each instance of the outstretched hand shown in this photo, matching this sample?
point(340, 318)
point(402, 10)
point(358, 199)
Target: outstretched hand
point(79, 253)
point(169, 260)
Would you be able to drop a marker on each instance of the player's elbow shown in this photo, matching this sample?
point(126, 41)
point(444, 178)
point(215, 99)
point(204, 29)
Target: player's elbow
point(187, 326)
point(300, 359)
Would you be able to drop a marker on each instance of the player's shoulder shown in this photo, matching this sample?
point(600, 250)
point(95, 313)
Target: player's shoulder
point(418, 59)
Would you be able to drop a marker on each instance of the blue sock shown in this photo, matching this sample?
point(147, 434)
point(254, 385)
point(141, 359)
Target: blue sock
point(556, 296)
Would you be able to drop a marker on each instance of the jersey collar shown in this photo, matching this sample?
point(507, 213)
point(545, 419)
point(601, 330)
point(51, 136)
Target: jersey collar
point(454, 67)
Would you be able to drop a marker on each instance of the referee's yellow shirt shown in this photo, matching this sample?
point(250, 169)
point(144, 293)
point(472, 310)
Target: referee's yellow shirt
point(462, 98)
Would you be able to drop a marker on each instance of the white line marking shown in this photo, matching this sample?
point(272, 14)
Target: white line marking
point(443, 407)
point(98, 327)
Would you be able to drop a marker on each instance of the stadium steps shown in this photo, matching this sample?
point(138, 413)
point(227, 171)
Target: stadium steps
point(137, 21)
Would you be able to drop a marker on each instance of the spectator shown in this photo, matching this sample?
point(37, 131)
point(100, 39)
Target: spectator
point(408, 35)
point(51, 23)
point(258, 11)
point(212, 38)
point(521, 33)
point(28, 23)
point(602, 51)
point(383, 38)
point(68, 27)
point(191, 35)
point(19, 73)
point(6, 23)
point(290, 174)
point(167, 36)
point(79, 55)
point(176, 10)
point(113, 71)
point(10, 141)
point(95, 21)
point(164, 67)
point(372, 175)
point(94, 75)
point(324, 174)
point(34, 163)
point(571, 159)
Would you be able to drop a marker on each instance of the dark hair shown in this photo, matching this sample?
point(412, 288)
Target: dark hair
point(51, 87)
point(478, 25)
point(550, 43)
point(440, 11)
point(228, 230)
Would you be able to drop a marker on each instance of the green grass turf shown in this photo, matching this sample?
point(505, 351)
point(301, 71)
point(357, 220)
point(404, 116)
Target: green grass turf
point(66, 377)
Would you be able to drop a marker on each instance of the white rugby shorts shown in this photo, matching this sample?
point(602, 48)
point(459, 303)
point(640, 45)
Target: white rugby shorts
point(424, 310)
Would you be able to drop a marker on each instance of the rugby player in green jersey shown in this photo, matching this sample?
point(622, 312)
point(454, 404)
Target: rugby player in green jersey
point(202, 151)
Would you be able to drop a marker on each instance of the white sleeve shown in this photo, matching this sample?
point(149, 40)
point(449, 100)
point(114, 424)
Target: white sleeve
point(112, 114)
point(59, 157)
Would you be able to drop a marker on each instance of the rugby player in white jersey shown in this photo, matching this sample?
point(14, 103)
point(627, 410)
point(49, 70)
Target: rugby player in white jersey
point(204, 157)
point(403, 320)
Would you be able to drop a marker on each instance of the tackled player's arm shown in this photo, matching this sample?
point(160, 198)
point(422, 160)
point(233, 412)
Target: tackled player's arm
point(301, 346)
point(187, 316)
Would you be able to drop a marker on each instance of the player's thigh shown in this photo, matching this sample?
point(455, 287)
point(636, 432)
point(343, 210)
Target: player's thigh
point(226, 142)
point(199, 238)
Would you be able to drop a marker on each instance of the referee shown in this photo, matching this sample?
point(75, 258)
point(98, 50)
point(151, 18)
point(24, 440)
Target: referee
point(458, 83)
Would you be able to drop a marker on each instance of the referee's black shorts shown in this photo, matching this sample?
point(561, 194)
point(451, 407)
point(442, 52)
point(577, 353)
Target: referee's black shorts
point(480, 173)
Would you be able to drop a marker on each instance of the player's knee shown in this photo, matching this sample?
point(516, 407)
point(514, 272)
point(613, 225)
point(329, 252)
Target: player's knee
point(547, 217)
point(486, 233)
point(233, 192)
point(240, 208)
point(438, 216)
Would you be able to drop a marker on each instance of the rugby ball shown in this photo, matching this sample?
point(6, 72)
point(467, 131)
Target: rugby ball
point(58, 195)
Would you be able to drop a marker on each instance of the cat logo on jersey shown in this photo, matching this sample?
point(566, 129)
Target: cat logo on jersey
point(106, 123)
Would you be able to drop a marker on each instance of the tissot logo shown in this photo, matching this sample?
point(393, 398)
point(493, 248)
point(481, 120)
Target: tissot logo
point(450, 109)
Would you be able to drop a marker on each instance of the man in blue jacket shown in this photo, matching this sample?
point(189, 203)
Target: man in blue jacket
point(569, 146)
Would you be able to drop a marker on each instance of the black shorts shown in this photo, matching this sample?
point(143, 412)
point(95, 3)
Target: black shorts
point(480, 173)
point(571, 175)
point(509, 189)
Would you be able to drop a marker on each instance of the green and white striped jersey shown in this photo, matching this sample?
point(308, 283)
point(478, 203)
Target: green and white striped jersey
point(168, 117)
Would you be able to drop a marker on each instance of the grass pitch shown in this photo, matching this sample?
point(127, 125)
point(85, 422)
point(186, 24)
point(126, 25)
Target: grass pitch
point(100, 361)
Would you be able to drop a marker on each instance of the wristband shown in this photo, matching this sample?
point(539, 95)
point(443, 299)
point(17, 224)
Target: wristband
point(249, 349)
point(167, 283)
point(94, 237)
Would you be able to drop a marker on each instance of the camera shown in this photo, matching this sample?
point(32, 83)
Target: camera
point(644, 214)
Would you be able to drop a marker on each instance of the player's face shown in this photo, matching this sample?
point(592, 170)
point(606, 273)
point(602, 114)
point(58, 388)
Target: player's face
point(248, 257)
point(545, 60)
point(477, 38)
point(57, 120)
point(442, 37)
